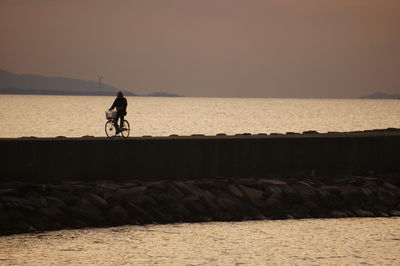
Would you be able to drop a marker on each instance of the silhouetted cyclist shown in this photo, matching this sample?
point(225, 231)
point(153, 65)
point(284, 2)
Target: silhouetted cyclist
point(120, 103)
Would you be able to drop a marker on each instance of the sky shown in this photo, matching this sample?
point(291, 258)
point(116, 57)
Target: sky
point(209, 48)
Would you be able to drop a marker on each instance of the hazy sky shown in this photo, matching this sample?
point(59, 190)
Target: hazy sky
point(232, 48)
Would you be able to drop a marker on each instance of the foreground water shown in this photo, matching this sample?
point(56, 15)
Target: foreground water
point(76, 116)
point(312, 242)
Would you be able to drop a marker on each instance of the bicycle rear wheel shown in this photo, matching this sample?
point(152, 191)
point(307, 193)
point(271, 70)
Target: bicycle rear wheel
point(126, 129)
point(110, 129)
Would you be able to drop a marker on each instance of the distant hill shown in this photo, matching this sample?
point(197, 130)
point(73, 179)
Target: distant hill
point(381, 95)
point(11, 83)
point(162, 94)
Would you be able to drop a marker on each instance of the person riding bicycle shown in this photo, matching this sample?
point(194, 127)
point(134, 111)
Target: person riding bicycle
point(120, 103)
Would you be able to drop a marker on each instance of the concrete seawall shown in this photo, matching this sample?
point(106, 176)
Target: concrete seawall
point(196, 157)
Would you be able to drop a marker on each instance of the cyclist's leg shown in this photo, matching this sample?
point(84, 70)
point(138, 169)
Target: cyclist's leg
point(121, 122)
point(116, 122)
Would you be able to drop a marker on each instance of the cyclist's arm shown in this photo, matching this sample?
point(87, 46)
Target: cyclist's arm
point(113, 105)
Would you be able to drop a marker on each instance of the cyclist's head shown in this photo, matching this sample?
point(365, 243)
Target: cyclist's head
point(119, 94)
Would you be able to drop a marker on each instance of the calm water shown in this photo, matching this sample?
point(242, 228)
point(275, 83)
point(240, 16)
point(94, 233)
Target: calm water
point(332, 241)
point(75, 116)
point(291, 242)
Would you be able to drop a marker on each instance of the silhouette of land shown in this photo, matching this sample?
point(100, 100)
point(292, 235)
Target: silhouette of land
point(11, 83)
point(381, 95)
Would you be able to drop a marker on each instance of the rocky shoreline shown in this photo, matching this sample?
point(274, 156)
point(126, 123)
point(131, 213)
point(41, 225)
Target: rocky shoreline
point(30, 207)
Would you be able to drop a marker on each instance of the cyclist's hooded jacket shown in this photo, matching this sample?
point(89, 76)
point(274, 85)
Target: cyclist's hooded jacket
point(121, 104)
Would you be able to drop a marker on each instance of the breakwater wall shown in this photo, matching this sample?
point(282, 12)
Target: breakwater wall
point(196, 157)
point(30, 207)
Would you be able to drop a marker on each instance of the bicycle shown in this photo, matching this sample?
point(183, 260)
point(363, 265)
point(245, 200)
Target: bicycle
point(110, 125)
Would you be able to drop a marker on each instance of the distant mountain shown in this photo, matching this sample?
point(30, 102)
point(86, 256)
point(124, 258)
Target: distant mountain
point(11, 83)
point(381, 95)
point(162, 94)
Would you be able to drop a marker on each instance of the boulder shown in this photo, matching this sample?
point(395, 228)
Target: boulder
point(137, 214)
point(55, 202)
point(196, 207)
point(228, 203)
point(386, 197)
point(160, 217)
point(137, 195)
point(173, 192)
point(272, 189)
point(351, 194)
point(395, 212)
point(178, 211)
point(188, 189)
point(210, 201)
point(13, 201)
point(305, 192)
point(255, 196)
point(96, 200)
point(273, 205)
point(36, 199)
point(117, 215)
point(88, 212)
point(271, 182)
point(338, 214)
point(232, 189)
point(53, 213)
point(9, 192)
point(299, 212)
point(363, 213)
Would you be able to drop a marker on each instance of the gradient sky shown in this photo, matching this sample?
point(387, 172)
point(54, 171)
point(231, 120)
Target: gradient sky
point(223, 48)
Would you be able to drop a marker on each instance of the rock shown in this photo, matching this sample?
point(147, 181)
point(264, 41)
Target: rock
point(5, 222)
point(36, 199)
point(137, 213)
point(228, 203)
point(13, 201)
point(96, 200)
point(188, 190)
point(55, 202)
point(160, 217)
point(178, 211)
point(88, 212)
point(53, 213)
point(306, 191)
point(391, 187)
point(386, 197)
point(363, 213)
point(272, 189)
point(210, 201)
point(310, 132)
point(255, 196)
point(338, 214)
point(235, 191)
point(117, 215)
point(173, 192)
point(395, 212)
point(197, 207)
point(273, 205)
point(351, 194)
point(272, 182)
point(136, 194)
point(300, 212)
point(9, 192)
point(332, 189)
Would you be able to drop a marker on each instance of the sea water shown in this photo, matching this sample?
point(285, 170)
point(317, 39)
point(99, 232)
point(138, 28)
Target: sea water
point(76, 116)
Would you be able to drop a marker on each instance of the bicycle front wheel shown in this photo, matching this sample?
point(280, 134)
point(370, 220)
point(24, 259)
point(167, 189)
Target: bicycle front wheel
point(110, 129)
point(126, 129)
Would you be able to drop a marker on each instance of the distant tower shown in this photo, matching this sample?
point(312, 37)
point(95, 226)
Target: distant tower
point(100, 78)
